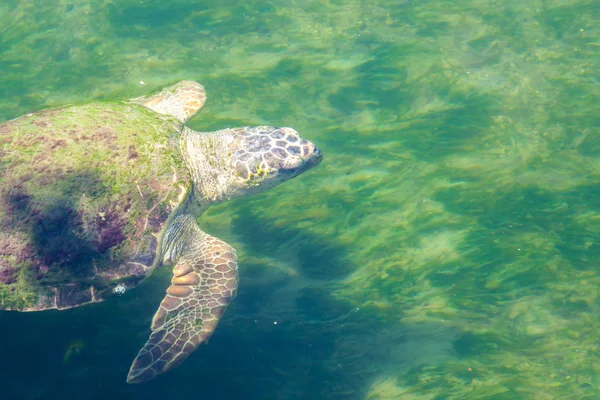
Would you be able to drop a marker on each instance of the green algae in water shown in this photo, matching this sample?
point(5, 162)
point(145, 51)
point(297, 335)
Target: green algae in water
point(446, 248)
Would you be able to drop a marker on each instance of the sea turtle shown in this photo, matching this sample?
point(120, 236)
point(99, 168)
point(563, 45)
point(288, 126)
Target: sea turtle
point(94, 197)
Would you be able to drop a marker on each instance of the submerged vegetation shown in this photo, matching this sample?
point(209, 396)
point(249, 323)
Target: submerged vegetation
point(447, 247)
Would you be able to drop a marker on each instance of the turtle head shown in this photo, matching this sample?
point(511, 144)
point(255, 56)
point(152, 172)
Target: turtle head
point(265, 156)
point(240, 161)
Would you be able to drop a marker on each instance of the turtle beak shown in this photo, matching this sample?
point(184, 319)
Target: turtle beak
point(315, 158)
point(317, 155)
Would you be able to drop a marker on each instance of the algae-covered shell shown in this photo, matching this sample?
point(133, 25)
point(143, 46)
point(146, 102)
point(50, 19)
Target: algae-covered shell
point(84, 194)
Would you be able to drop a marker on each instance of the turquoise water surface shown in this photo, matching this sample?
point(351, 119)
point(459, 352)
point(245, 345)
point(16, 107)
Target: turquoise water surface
point(448, 247)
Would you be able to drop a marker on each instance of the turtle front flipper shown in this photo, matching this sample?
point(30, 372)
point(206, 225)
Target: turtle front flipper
point(182, 100)
point(204, 282)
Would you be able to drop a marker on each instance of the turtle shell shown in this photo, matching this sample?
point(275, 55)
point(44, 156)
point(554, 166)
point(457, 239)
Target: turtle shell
point(85, 192)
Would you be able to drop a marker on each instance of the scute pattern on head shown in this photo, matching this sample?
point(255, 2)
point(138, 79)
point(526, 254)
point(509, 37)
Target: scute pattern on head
point(265, 149)
point(236, 162)
point(85, 193)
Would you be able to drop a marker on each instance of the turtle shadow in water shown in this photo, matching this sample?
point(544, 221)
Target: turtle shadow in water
point(304, 267)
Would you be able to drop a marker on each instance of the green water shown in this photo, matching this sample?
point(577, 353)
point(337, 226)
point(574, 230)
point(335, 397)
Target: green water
point(448, 247)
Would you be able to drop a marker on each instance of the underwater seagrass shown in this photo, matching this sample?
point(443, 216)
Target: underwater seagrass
point(94, 197)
